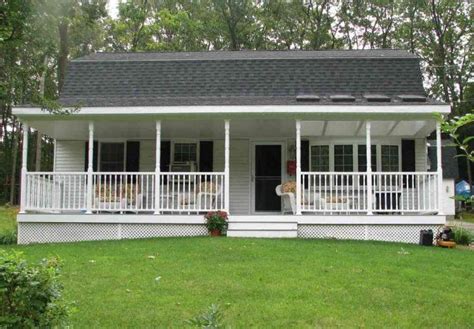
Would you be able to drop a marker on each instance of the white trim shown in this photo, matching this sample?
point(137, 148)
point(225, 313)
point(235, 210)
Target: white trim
point(111, 218)
point(24, 167)
point(241, 109)
point(372, 219)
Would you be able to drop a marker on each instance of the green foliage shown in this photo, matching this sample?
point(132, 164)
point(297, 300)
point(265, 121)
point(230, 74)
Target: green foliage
point(31, 295)
point(8, 236)
point(453, 127)
point(211, 319)
point(216, 220)
point(463, 236)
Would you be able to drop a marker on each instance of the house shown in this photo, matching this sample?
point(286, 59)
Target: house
point(159, 139)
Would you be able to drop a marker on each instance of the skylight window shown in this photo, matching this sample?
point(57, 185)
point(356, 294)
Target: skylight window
point(307, 98)
point(412, 98)
point(376, 98)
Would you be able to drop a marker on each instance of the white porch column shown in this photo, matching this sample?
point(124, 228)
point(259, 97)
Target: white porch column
point(298, 167)
point(368, 157)
point(439, 167)
point(157, 167)
point(90, 168)
point(227, 166)
point(24, 169)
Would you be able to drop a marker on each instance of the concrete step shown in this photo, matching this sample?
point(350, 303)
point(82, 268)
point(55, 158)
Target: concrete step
point(263, 226)
point(262, 234)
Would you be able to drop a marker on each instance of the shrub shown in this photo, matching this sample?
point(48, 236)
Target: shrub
point(463, 236)
point(30, 295)
point(8, 237)
point(211, 319)
point(216, 220)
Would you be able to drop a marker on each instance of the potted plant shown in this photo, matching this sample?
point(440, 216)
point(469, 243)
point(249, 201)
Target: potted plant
point(216, 222)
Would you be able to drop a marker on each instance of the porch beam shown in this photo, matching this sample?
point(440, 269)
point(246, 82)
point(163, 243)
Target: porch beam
point(439, 167)
point(325, 127)
point(395, 125)
point(90, 168)
point(298, 167)
point(24, 168)
point(157, 167)
point(368, 157)
point(227, 166)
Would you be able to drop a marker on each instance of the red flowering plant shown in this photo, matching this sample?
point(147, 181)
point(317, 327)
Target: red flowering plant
point(216, 221)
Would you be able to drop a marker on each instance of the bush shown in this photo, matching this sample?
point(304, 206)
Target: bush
point(8, 237)
point(30, 295)
point(216, 220)
point(463, 236)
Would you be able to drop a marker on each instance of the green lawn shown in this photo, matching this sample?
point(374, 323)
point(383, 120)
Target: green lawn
point(467, 216)
point(7, 219)
point(265, 283)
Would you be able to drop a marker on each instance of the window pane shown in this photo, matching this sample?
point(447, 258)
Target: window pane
point(184, 152)
point(343, 158)
point(390, 158)
point(112, 157)
point(320, 158)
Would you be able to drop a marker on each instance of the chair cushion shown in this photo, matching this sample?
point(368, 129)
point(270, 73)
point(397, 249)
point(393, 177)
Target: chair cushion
point(289, 187)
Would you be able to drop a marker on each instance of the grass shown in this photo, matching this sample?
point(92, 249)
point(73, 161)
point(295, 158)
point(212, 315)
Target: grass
point(466, 216)
point(264, 282)
point(7, 218)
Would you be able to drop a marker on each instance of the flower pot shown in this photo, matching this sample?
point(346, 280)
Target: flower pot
point(216, 232)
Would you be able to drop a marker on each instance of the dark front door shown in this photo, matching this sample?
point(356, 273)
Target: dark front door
point(267, 177)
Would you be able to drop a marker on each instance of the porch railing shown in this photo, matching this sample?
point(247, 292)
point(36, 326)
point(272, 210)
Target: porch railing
point(114, 192)
point(389, 192)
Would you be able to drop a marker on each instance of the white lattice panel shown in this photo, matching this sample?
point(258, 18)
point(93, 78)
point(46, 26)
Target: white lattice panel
point(398, 233)
point(392, 233)
point(71, 232)
point(348, 232)
point(137, 231)
point(65, 232)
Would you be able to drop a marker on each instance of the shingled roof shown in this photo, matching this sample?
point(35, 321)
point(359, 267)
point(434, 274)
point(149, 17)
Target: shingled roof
point(243, 78)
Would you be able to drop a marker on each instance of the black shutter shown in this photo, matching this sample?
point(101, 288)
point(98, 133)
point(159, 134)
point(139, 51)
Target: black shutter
point(408, 159)
point(133, 157)
point(304, 155)
point(206, 156)
point(165, 156)
point(95, 156)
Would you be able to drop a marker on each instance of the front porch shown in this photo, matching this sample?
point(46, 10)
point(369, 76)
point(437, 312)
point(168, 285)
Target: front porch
point(336, 194)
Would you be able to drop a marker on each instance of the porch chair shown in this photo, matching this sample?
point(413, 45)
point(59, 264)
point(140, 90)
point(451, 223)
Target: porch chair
point(289, 200)
point(203, 198)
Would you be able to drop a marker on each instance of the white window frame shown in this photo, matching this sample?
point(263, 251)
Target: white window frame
point(331, 142)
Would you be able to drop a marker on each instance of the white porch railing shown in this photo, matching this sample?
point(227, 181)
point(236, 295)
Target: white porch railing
point(335, 192)
point(125, 192)
point(47, 191)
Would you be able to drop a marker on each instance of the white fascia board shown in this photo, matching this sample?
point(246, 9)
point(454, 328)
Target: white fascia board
point(241, 110)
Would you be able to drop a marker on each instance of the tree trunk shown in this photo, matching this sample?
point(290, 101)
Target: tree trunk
point(63, 52)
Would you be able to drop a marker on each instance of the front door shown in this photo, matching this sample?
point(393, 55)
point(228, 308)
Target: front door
point(267, 175)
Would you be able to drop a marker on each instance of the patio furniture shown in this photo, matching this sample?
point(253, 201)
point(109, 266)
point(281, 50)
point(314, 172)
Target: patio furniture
point(202, 198)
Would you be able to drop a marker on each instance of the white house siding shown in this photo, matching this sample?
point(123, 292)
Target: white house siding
point(69, 156)
point(421, 155)
point(239, 173)
point(147, 155)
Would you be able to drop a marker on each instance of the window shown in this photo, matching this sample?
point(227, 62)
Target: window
point(390, 158)
point(343, 158)
point(362, 157)
point(184, 152)
point(320, 158)
point(112, 157)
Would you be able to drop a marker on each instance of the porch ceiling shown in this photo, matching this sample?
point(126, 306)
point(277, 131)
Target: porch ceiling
point(239, 128)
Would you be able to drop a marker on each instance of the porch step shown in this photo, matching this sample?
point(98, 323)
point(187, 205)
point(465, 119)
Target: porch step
point(262, 227)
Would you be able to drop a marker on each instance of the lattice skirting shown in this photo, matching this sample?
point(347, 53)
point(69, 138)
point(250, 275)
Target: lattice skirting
point(70, 232)
point(392, 233)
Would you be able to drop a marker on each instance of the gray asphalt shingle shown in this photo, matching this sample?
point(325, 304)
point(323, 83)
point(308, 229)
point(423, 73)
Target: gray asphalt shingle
point(233, 78)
